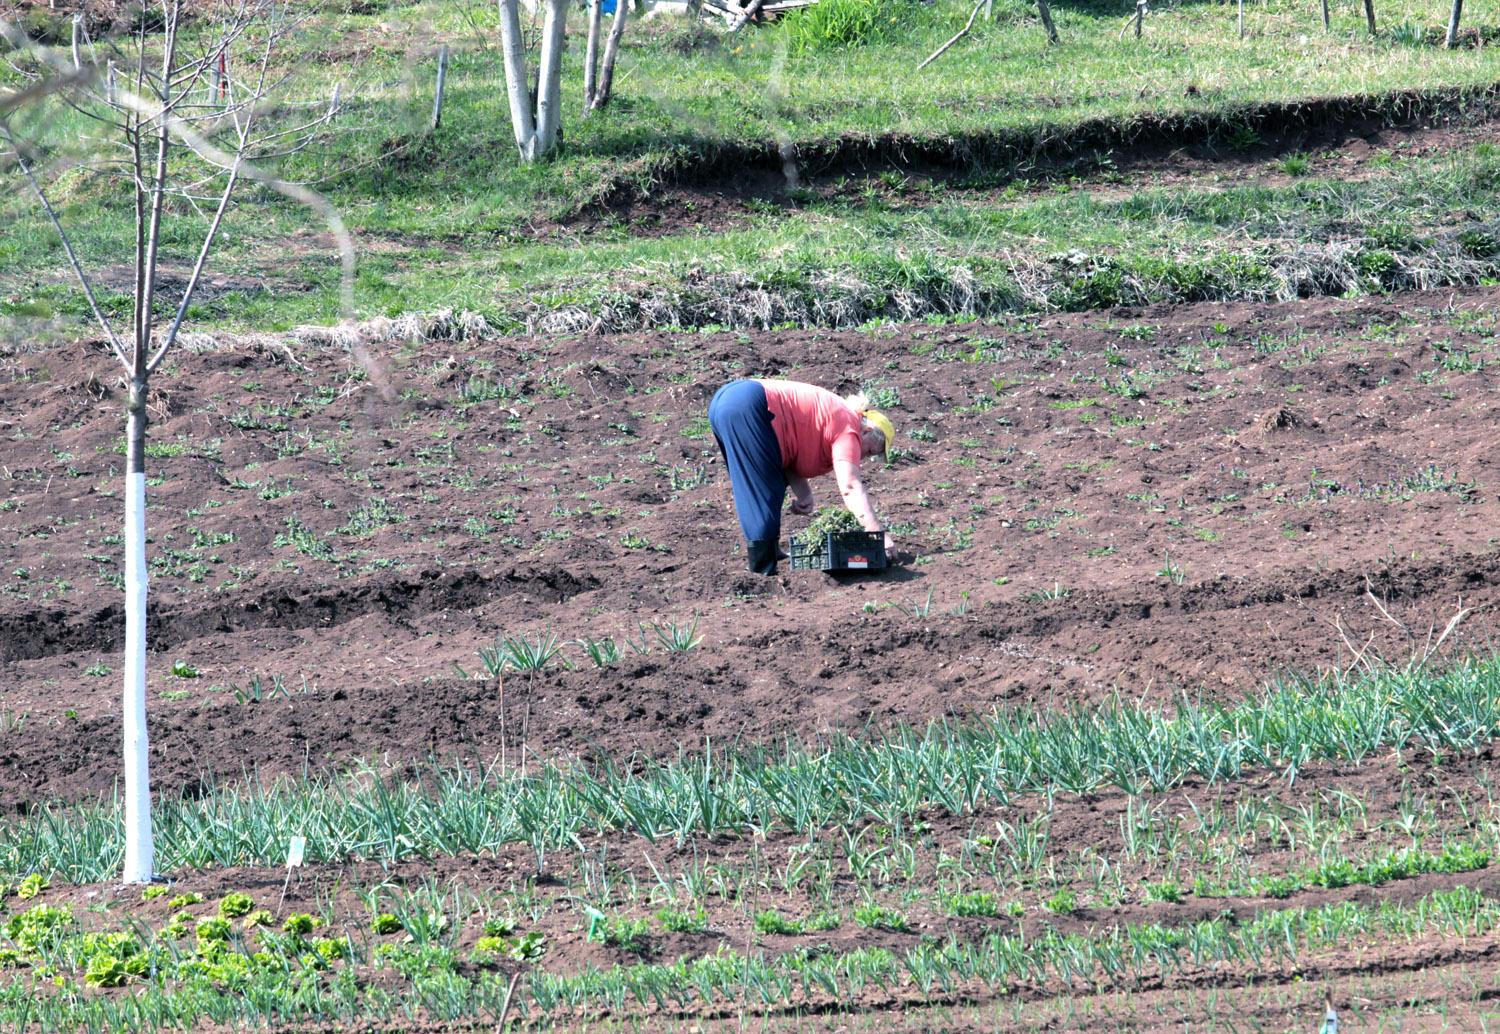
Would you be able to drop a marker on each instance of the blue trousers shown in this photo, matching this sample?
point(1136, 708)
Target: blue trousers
point(741, 423)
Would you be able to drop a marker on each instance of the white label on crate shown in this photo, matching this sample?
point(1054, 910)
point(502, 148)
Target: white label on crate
point(857, 561)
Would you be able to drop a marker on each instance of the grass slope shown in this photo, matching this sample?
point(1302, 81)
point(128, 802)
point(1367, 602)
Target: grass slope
point(447, 220)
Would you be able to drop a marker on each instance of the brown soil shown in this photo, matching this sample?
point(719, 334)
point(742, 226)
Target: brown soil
point(1136, 503)
point(1097, 459)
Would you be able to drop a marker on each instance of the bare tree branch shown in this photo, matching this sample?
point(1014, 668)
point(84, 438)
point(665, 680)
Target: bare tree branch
point(67, 244)
point(14, 100)
point(192, 284)
point(166, 117)
point(956, 37)
point(158, 189)
point(750, 11)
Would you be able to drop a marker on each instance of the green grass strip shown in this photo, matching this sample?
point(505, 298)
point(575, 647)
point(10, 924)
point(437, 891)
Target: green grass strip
point(955, 767)
point(448, 220)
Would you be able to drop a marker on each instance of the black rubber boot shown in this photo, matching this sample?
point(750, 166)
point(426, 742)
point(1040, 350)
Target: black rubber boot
point(763, 555)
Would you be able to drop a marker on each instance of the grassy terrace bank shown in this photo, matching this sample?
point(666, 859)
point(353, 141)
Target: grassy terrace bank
point(916, 867)
point(453, 221)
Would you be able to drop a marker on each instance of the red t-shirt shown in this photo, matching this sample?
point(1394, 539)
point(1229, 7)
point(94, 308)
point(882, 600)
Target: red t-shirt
point(813, 426)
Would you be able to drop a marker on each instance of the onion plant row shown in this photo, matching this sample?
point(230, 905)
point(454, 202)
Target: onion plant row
point(237, 982)
point(797, 788)
point(1122, 957)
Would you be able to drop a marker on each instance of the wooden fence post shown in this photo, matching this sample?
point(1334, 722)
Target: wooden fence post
point(1452, 38)
point(437, 95)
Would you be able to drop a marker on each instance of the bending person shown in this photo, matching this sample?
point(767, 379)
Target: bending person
point(776, 435)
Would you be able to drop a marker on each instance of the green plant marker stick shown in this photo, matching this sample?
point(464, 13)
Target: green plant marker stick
point(596, 924)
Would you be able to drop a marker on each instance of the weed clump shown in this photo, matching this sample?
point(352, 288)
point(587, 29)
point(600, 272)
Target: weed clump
point(692, 38)
point(833, 25)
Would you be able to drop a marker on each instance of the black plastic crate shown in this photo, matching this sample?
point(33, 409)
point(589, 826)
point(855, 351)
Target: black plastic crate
point(842, 551)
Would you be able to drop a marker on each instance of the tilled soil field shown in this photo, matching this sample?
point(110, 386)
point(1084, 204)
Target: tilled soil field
point(1136, 507)
point(1135, 504)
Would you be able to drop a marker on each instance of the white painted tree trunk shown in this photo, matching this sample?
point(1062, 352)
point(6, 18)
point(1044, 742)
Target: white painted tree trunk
point(437, 91)
point(591, 54)
point(139, 852)
point(162, 113)
point(513, 46)
point(549, 77)
point(536, 128)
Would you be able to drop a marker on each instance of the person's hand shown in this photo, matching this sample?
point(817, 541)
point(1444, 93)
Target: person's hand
point(802, 507)
point(890, 546)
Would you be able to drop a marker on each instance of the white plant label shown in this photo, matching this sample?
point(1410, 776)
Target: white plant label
point(295, 850)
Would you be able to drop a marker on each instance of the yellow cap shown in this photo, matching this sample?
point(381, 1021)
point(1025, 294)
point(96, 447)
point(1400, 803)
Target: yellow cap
point(883, 424)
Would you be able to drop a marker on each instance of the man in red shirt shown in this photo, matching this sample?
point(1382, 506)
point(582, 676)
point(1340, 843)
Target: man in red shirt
point(777, 435)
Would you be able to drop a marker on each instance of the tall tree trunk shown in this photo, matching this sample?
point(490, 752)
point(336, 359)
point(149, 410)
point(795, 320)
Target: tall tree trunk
point(611, 53)
point(139, 852)
point(1045, 10)
point(549, 75)
point(591, 54)
point(1327, 24)
point(1370, 15)
point(513, 45)
point(1453, 16)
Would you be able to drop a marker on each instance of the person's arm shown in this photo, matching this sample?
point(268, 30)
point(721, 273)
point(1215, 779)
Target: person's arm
point(856, 499)
point(802, 495)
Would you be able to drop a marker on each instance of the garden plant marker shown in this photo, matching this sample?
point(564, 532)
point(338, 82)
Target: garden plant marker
point(294, 852)
point(596, 924)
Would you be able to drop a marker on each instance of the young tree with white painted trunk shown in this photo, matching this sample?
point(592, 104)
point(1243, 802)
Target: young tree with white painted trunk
point(187, 129)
